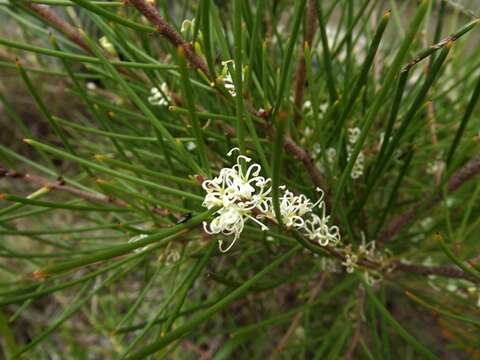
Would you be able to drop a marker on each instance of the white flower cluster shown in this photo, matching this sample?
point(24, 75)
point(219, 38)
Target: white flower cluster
point(357, 170)
point(330, 156)
point(157, 97)
point(297, 212)
point(331, 153)
point(171, 254)
point(365, 251)
point(242, 194)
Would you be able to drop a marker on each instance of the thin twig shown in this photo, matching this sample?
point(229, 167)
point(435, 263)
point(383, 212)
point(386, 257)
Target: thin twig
point(60, 24)
point(444, 271)
point(152, 14)
point(293, 325)
point(358, 330)
point(300, 74)
point(442, 43)
point(60, 185)
point(309, 163)
point(398, 266)
point(460, 177)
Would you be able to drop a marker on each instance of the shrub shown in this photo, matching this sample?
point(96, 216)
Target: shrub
point(239, 179)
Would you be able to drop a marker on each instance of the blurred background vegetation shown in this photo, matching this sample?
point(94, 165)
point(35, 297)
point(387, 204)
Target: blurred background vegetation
point(70, 285)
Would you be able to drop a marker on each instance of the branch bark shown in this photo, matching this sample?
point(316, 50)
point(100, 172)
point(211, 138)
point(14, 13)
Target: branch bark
point(167, 31)
point(300, 74)
point(151, 13)
point(60, 185)
point(460, 177)
point(57, 22)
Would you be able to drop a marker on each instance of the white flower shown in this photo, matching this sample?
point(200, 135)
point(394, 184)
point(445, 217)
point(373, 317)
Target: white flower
point(292, 208)
point(172, 257)
point(350, 262)
point(323, 107)
point(450, 201)
point(367, 249)
point(238, 194)
point(241, 195)
point(353, 135)
point(426, 223)
point(171, 254)
point(331, 155)
point(230, 221)
point(372, 277)
point(308, 131)
point(91, 86)
point(191, 146)
point(157, 97)
point(358, 166)
point(316, 229)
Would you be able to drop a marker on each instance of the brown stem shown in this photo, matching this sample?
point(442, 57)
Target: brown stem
point(460, 177)
point(398, 266)
point(293, 325)
point(302, 155)
point(60, 185)
point(152, 14)
point(358, 329)
point(300, 75)
point(445, 271)
point(439, 45)
point(60, 24)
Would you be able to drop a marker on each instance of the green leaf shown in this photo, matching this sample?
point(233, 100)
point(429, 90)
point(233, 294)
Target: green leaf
point(410, 339)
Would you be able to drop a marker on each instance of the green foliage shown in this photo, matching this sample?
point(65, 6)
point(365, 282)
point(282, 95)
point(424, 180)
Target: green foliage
point(114, 115)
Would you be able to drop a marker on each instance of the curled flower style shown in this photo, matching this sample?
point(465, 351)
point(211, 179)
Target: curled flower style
point(351, 260)
point(317, 229)
point(171, 255)
point(239, 194)
point(230, 221)
point(187, 28)
point(365, 251)
point(157, 97)
point(292, 208)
